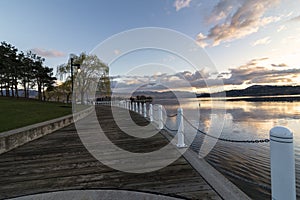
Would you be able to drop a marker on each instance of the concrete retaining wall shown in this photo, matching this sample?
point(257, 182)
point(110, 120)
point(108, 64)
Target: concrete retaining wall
point(17, 137)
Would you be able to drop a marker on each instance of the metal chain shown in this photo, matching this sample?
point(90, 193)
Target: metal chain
point(174, 115)
point(172, 130)
point(224, 139)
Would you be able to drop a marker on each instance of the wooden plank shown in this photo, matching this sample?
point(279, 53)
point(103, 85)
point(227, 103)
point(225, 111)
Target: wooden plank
point(59, 161)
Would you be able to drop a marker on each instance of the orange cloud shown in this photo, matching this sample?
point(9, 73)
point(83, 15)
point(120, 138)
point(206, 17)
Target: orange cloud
point(47, 53)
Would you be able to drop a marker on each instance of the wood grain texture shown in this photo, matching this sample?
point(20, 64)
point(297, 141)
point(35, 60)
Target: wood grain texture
point(59, 161)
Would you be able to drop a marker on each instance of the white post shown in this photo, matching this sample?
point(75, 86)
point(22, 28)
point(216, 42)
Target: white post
point(151, 113)
point(282, 164)
point(140, 108)
point(180, 126)
point(136, 107)
point(160, 117)
point(145, 110)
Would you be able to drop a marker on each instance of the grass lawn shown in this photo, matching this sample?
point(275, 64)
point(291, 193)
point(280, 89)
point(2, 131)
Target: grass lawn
point(16, 113)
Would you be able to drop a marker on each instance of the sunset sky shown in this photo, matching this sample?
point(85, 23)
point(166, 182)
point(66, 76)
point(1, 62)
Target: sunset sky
point(249, 41)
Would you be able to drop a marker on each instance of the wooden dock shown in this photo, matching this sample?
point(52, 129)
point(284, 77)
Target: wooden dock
point(59, 161)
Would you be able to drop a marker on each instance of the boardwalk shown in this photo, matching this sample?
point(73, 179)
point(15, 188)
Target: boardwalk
point(59, 161)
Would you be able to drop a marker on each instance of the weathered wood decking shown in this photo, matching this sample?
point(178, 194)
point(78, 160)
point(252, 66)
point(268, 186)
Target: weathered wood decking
point(59, 161)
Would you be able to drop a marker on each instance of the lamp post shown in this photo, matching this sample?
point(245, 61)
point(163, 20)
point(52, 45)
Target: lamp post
point(72, 70)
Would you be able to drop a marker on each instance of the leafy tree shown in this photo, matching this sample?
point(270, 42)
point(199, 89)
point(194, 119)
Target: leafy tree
point(26, 70)
point(93, 72)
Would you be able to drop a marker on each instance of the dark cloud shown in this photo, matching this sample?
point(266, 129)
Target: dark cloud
point(280, 65)
point(295, 19)
point(250, 73)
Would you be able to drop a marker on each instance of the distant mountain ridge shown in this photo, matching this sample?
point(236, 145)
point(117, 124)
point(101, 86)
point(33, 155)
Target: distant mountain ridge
point(259, 90)
point(254, 91)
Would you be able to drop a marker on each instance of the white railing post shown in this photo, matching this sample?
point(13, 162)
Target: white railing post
point(145, 110)
point(160, 117)
point(140, 108)
point(282, 164)
point(136, 107)
point(151, 113)
point(180, 126)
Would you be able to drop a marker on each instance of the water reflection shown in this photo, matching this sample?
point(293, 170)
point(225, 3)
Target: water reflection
point(247, 165)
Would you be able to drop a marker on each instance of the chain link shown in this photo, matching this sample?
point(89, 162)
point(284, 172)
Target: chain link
point(170, 116)
point(172, 130)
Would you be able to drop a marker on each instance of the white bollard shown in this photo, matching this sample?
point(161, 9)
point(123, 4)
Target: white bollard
point(151, 113)
point(180, 126)
point(140, 108)
point(145, 110)
point(160, 117)
point(282, 164)
point(136, 107)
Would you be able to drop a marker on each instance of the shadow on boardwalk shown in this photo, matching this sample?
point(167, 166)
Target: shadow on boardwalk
point(59, 161)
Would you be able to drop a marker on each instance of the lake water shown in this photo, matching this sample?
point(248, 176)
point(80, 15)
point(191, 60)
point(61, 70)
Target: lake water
point(245, 164)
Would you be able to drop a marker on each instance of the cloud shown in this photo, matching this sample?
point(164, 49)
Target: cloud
point(253, 73)
point(117, 51)
point(281, 28)
point(250, 73)
point(47, 53)
point(179, 4)
point(222, 10)
point(241, 20)
point(295, 19)
point(280, 65)
point(263, 41)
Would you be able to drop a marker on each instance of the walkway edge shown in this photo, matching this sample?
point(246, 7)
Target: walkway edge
point(99, 194)
point(17, 137)
point(226, 189)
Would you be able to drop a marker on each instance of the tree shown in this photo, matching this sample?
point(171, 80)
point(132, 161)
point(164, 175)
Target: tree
point(8, 55)
point(93, 73)
point(26, 70)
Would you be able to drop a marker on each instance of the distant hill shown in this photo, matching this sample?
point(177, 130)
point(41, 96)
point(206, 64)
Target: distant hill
point(260, 90)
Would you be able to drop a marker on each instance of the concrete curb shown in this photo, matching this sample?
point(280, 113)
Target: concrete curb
point(17, 137)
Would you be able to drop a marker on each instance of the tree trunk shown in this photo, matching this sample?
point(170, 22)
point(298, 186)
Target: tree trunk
point(24, 87)
point(1, 89)
point(68, 97)
point(82, 97)
point(7, 90)
point(16, 88)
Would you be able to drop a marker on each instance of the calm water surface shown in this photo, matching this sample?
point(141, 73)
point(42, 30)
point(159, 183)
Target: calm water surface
point(247, 165)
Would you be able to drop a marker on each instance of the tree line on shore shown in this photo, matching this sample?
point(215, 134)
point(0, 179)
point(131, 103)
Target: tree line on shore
point(21, 73)
point(23, 70)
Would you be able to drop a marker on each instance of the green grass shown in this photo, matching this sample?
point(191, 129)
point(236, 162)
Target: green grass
point(16, 113)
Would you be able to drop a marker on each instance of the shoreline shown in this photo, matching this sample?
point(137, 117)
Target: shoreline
point(255, 99)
